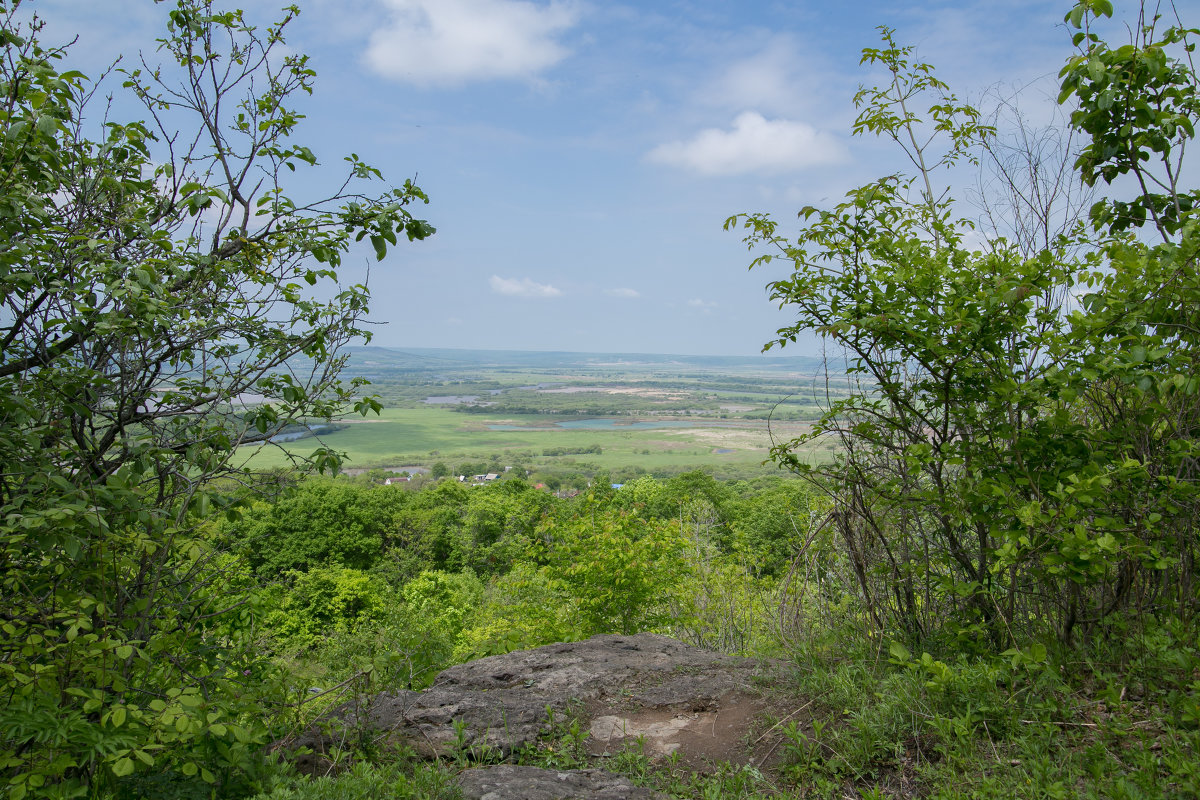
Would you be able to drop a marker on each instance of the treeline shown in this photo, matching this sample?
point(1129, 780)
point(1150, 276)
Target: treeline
point(570, 451)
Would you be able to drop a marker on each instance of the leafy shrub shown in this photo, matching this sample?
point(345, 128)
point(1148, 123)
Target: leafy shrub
point(621, 571)
point(325, 600)
point(521, 609)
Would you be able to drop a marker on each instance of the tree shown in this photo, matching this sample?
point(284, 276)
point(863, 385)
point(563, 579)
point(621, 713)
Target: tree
point(1011, 466)
point(620, 570)
point(164, 301)
point(321, 522)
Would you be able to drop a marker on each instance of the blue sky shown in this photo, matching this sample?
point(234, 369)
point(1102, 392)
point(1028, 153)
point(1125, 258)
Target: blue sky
point(581, 156)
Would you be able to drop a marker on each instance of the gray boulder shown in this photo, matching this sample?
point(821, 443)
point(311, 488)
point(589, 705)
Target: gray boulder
point(666, 696)
point(505, 782)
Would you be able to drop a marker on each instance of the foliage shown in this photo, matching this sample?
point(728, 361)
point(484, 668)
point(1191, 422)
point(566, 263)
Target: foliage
point(1010, 465)
point(522, 609)
point(325, 600)
point(400, 780)
point(349, 628)
point(320, 522)
point(500, 523)
point(155, 278)
point(1023, 725)
point(619, 569)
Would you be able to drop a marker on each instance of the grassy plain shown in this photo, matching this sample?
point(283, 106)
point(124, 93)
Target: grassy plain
point(423, 435)
point(446, 405)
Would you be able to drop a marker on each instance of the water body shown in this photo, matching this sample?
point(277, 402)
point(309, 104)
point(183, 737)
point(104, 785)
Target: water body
point(600, 425)
point(294, 435)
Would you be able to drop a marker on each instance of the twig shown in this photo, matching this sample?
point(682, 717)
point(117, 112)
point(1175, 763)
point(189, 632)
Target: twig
point(990, 741)
point(309, 699)
point(789, 716)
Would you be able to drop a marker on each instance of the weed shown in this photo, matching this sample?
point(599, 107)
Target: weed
point(561, 746)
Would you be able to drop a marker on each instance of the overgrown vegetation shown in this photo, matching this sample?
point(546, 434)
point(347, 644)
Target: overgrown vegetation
point(1023, 464)
point(989, 592)
point(155, 275)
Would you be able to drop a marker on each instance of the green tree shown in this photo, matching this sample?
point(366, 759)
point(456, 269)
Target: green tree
point(620, 570)
point(1008, 467)
point(321, 523)
point(327, 600)
point(157, 279)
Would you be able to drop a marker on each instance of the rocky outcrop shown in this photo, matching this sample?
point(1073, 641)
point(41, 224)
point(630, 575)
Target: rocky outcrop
point(676, 698)
point(507, 782)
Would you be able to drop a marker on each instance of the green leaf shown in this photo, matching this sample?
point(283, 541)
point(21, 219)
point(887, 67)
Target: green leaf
point(900, 653)
point(47, 125)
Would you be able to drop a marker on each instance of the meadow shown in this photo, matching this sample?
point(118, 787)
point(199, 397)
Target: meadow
point(422, 436)
point(552, 412)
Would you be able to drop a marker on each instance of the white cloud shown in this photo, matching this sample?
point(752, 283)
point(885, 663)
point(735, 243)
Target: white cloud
point(774, 79)
point(450, 42)
point(522, 288)
point(755, 144)
point(622, 292)
point(703, 305)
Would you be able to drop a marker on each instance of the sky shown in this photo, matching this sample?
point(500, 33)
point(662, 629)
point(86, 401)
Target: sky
point(581, 156)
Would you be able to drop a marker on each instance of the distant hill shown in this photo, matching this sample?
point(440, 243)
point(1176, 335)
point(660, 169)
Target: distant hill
point(387, 360)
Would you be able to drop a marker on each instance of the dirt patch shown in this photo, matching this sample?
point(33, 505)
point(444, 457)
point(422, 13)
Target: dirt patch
point(727, 730)
point(744, 436)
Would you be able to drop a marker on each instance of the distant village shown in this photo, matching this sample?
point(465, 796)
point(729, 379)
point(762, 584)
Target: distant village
point(409, 474)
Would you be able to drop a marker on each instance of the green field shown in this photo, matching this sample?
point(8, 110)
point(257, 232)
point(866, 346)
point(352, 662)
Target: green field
point(444, 405)
point(421, 436)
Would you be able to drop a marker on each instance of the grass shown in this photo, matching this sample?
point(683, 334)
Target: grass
point(421, 436)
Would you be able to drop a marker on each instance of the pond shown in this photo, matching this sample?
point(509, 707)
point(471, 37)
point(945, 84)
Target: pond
point(292, 436)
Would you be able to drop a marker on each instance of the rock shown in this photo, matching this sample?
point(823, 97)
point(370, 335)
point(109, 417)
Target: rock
point(676, 697)
point(507, 782)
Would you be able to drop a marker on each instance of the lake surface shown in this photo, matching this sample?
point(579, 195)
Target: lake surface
point(601, 425)
point(294, 435)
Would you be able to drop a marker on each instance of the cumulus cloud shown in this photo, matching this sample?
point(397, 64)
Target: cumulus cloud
point(622, 292)
point(451, 42)
point(522, 288)
point(755, 144)
point(774, 79)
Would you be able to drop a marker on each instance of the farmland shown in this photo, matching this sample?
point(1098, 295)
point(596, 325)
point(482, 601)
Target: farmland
point(571, 414)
